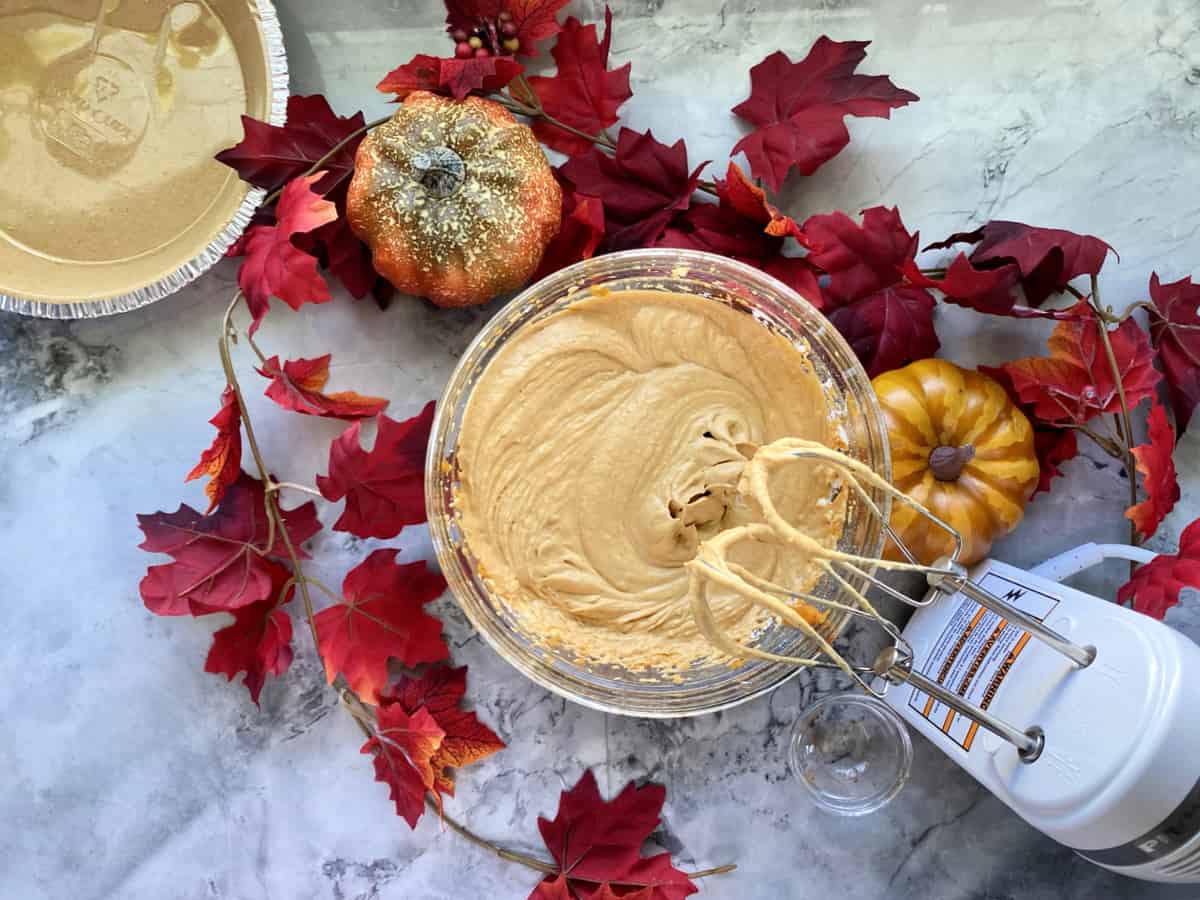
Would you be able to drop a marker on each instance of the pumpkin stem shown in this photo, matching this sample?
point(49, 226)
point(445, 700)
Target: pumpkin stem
point(440, 170)
point(947, 463)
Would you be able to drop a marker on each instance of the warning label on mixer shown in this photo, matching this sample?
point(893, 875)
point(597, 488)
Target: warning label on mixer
point(974, 653)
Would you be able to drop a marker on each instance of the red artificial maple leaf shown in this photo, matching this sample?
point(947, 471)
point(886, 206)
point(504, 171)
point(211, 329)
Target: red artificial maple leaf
point(559, 889)
point(222, 461)
point(440, 691)
point(221, 561)
point(596, 843)
point(552, 889)
point(1052, 444)
point(886, 323)
point(642, 186)
point(748, 200)
point(384, 487)
point(584, 93)
point(860, 259)
point(1156, 464)
point(986, 290)
point(262, 215)
point(1155, 587)
point(534, 20)
point(456, 77)
point(272, 155)
point(381, 615)
point(798, 108)
point(259, 643)
point(606, 892)
point(274, 266)
point(720, 229)
point(299, 384)
point(1047, 258)
point(579, 235)
point(403, 746)
point(347, 258)
point(1175, 331)
point(1075, 383)
point(889, 328)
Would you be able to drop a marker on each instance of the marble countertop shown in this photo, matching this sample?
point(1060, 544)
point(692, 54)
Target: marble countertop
point(130, 773)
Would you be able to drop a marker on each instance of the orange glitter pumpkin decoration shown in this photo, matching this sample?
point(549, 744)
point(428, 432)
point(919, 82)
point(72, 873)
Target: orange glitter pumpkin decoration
point(455, 199)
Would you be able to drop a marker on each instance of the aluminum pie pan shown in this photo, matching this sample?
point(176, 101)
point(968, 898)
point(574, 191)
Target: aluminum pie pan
point(247, 33)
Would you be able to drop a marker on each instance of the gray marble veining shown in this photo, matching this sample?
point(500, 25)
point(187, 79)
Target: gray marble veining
point(129, 773)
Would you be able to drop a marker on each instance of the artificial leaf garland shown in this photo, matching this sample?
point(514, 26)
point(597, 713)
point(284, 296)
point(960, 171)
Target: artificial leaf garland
point(597, 844)
point(221, 561)
point(583, 93)
point(1175, 331)
point(1046, 259)
point(887, 323)
point(1156, 465)
point(384, 487)
point(269, 156)
point(222, 461)
point(299, 385)
point(642, 185)
point(380, 615)
point(258, 643)
point(1075, 383)
point(245, 556)
point(404, 747)
point(1155, 587)
point(798, 108)
point(440, 690)
point(456, 77)
point(314, 138)
point(859, 258)
point(580, 232)
point(274, 266)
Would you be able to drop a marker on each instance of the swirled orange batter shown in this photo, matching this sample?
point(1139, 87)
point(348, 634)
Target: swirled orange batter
point(604, 443)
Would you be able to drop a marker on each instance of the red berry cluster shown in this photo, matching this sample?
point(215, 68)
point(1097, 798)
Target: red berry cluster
point(496, 37)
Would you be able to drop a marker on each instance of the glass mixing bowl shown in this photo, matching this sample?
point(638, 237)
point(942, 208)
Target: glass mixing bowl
point(712, 685)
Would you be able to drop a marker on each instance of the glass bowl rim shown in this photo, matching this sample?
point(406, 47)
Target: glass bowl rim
point(555, 286)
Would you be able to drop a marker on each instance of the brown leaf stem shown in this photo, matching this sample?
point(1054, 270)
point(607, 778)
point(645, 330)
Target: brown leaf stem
point(262, 357)
point(332, 152)
point(513, 105)
point(534, 110)
point(1107, 444)
point(463, 831)
point(292, 486)
point(275, 523)
point(719, 870)
point(327, 591)
point(530, 861)
point(1127, 433)
point(244, 414)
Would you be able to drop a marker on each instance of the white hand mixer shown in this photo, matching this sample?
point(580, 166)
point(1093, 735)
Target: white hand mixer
point(1081, 715)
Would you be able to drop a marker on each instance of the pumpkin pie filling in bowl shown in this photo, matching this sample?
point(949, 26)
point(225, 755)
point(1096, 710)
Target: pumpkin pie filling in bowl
point(593, 437)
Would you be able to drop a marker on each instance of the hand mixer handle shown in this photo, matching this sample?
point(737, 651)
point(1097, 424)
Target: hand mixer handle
point(896, 667)
point(952, 578)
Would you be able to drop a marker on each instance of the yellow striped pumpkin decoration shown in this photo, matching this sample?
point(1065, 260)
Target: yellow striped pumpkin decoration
point(963, 450)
